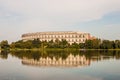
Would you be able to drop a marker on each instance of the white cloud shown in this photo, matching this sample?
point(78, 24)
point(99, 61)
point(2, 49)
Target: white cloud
point(57, 12)
point(40, 15)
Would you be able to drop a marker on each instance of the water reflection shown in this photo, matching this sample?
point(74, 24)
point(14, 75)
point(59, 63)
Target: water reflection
point(62, 58)
point(70, 61)
point(4, 54)
point(103, 65)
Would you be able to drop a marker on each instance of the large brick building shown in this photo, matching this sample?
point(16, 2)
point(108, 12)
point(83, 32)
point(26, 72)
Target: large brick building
point(70, 36)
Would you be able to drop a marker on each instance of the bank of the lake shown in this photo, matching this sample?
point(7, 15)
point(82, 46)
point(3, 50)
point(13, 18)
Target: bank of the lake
point(59, 49)
point(95, 44)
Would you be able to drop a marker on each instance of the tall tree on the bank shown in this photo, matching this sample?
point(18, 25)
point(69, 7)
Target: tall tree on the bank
point(4, 44)
point(75, 45)
point(117, 44)
point(36, 43)
point(96, 43)
point(63, 44)
point(89, 44)
point(106, 44)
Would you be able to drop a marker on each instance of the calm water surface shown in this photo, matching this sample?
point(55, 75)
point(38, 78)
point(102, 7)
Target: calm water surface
point(60, 65)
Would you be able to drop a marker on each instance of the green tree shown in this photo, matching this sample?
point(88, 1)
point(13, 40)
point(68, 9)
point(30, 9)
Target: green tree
point(63, 44)
point(89, 44)
point(4, 44)
point(117, 44)
point(36, 43)
point(75, 45)
point(57, 43)
point(50, 44)
point(96, 43)
point(106, 44)
point(27, 44)
point(82, 45)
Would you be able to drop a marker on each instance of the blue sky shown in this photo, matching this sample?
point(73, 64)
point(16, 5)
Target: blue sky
point(101, 18)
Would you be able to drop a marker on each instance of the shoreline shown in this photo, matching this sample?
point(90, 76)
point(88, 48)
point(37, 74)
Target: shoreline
point(59, 49)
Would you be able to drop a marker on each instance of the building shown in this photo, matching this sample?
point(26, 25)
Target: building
point(70, 61)
point(69, 36)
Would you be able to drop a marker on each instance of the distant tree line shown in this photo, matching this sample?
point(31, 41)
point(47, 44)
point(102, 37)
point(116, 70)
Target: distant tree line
point(36, 43)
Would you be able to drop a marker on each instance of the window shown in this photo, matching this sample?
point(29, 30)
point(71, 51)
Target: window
point(79, 36)
point(83, 36)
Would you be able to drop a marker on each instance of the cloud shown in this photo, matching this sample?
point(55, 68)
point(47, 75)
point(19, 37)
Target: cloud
point(60, 12)
point(37, 15)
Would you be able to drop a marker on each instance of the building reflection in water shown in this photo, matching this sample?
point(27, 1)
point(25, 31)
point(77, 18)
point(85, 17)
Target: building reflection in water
point(80, 59)
point(70, 61)
point(61, 58)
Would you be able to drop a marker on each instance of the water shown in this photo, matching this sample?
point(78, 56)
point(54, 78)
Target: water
point(60, 65)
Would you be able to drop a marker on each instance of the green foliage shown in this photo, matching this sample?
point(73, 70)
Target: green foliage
point(89, 44)
point(63, 44)
point(75, 45)
point(58, 44)
point(106, 44)
point(4, 44)
point(36, 43)
point(117, 44)
point(93, 44)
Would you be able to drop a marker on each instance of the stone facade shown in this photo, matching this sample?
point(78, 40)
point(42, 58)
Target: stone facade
point(70, 36)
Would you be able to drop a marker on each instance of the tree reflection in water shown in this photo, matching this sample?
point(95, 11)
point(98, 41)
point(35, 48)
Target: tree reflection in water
point(62, 58)
point(4, 54)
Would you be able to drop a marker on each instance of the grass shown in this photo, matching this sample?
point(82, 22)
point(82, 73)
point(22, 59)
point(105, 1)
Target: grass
point(58, 49)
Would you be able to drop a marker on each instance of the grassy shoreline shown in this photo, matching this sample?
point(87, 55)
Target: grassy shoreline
point(59, 49)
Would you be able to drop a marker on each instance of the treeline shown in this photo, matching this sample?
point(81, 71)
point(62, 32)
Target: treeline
point(36, 43)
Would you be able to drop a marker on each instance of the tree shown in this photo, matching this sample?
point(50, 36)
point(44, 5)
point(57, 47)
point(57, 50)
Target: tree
point(63, 44)
point(50, 44)
point(96, 43)
point(89, 44)
point(82, 45)
point(57, 43)
point(75, 45)
point(106, 44)
point(117, 44)
point(18, 44)
point(27, 44)
point(4, 44)
point(36, 43)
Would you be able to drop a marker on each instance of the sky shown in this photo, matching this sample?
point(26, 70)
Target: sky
point(100, 18)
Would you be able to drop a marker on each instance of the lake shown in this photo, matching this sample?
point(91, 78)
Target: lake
point(60, 65)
